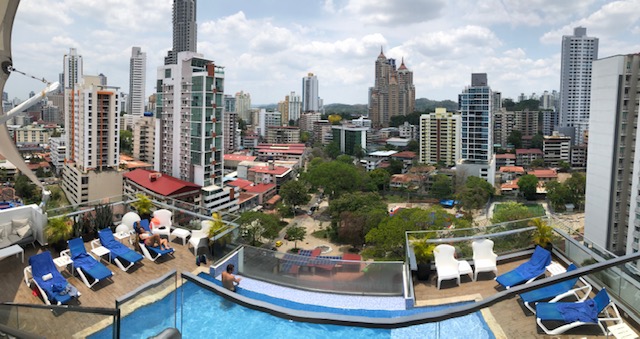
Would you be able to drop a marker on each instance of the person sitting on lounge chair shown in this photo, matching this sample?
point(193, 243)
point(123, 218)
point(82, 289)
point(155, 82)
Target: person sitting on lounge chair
point(152, 240)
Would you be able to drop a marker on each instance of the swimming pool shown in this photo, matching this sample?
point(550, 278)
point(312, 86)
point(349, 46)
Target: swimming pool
point(205, 314)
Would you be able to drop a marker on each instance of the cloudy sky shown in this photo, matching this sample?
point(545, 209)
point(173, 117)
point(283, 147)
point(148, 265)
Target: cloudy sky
point(267, 46)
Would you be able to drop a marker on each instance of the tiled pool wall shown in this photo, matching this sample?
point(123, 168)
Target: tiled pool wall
point(234, 259)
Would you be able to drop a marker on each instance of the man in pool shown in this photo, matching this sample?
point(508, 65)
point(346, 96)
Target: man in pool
point(229, 281)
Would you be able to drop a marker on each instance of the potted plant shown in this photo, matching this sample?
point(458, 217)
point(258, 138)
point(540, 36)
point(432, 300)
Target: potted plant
point(82, 227)
point(143, 205)
point(216, 226)
point(58, 231)
point(103, 216)
point(424, 255)
point(543, 234)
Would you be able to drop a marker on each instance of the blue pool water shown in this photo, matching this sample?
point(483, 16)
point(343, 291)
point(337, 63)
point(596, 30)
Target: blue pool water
point(207, 315)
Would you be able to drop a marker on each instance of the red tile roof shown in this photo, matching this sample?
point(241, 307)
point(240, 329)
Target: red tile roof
point(506, 156)
point(164, 184)
point(404, 154)
point(243, 197)
point(239, 157)
point(528, 151)
point(273, 199)
point(240, 183)
point(277, 170)
point(259, 188)
point(544, 173)
point(510, 185)
point(511, 169)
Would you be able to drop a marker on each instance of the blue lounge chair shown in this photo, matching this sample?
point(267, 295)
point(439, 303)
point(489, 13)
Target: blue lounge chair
point(121, 255)
point(578, 314)
point(557, 292)
point(144, 223)
point(88, 268)
point(53, 287)
point(528, 271)
point(153, 253)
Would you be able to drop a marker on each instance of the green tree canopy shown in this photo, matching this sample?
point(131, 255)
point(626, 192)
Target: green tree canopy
point(527, 185)
point(537, 141)
point(442, 186)
point(332, 150)
point(296, 233)
point(577, 185)
point(536, 163)
point(510, 211)
point(558, 194)
point(255, 225)
point(380, 178)
point(347, 159)
point(294, 192)
point(126, 142)
point(334, 177)
point(413, 146)
point(475, 193)
point(395, 166)
point(515, 139)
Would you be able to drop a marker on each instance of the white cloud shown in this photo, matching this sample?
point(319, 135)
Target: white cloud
point(455, 43)
point(611, 19)
point(520, 13)
point(392, 13)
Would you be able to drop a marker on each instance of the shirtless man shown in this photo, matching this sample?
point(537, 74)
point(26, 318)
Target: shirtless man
point(229, 281)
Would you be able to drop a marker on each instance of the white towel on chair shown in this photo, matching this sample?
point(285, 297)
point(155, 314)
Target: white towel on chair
point(47, 276)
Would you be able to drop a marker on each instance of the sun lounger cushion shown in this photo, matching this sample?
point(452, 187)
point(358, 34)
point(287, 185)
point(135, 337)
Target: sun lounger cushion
point(536, 266)
point(118, 250)
point(550, 291)
point(56, 287)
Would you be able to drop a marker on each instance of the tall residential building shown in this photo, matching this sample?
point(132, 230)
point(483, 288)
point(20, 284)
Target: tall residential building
point(243, 107)
point(137, 81)
point(294, 108)
point(307, 120)
point(144, 132)
point(92, 155)
point(189, 127)
point(440, 134)
point(72, 68)
point(185, 28)
point(549, 121)
point(267, 119)
point(475, 105)
point(393, 92)
point(310, 98)
point(283, 135)
point(231, 134)
point(578, 53)
point(556, 148)
point(613, 163)
point(229, 103)
point(57, 150)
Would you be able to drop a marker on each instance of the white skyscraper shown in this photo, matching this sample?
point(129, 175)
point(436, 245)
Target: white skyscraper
point(137, 80)
point(613, 161)
point(310, 99)
point(578, 52)
point(294, 107)
point(72, 64)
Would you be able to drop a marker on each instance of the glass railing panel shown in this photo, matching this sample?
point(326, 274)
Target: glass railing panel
point(157, 300)
point(58, 321)
point(323, 273)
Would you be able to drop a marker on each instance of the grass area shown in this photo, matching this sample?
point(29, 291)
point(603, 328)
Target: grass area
point(58, 198)
point(321, 234)
point(536, 209)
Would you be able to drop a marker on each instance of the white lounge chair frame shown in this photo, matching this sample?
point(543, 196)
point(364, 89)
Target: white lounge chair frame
point(147, 253)
point(585, 291)
point(608, 317)
point(28, 277)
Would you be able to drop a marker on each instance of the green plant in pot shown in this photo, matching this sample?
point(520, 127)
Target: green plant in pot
point(543, 234)
point(58, 231)
point(424, 256)
point(103, 216)
point(143, 205)
point(216, 227)
point(83, 227)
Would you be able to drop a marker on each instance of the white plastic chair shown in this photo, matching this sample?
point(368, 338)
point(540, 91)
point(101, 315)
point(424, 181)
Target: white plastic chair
point(166, 220)
point(447, 266)
point(200, 238)
point(484, 259)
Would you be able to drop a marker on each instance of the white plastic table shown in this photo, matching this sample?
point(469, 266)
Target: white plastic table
point(622, 330)
point(63, 261)
point(11, 250)
point(122, 235)
point(180, 233)
point(555, 268)
point(465, 268)
point(100, 251)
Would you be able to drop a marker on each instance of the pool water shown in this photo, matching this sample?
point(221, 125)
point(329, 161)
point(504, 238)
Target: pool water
point(207, 315)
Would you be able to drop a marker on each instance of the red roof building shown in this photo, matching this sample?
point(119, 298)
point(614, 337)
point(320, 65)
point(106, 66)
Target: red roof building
point(160, 186)
point(524, 156)
point(264, 191)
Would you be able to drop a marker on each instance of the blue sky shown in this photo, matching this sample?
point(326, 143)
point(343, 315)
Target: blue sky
point(268, 46)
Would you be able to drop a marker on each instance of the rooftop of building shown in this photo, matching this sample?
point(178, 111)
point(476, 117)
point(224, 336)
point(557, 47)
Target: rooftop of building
point(276, 170)
point(239, 157)
point(511, 169)
point(240, 183)
point(259, 188)
point(382, 153)
point(528, 151)
point(405, 155)
point(506, 156)
point(544, 173)
point(162, 184)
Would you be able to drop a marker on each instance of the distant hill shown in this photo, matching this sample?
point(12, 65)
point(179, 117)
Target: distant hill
point(422, 105)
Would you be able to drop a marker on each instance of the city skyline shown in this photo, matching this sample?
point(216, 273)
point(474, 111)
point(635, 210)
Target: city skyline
point(266, 49)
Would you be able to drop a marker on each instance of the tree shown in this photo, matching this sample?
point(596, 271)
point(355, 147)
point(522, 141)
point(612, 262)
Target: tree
point(515, 139)
point(335, 177)
point(353, 226)
point(126, 142)
point(294, 193)
point(508, 104)
point(305, 136)
point(511, 211)
point(442, 186)
point(537, 141)
point(359, 152)
point(296, 233)
point(564, 166)
point(576, 185)
point(380, 178)
point(26, 190)
point(558, 194)
point(527, 185)
point(413, 146)
point(395, 166)
point(347, 159)
point(475, 193)
point(536, 163)
point(332, 150)
point(268, 226)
